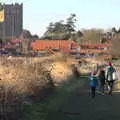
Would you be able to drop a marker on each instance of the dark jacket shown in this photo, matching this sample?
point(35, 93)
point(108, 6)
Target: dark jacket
point(101, 77)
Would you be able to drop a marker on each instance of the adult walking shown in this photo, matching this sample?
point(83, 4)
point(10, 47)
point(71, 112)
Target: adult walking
point(110, 77)
point(101, 77)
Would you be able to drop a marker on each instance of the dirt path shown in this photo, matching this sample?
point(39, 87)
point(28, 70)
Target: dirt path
point(72, 101)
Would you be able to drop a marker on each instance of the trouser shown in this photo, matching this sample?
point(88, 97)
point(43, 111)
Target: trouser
point(110, 87)
point(93, 91)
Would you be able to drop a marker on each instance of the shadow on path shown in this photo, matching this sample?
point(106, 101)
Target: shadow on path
point(72, 101)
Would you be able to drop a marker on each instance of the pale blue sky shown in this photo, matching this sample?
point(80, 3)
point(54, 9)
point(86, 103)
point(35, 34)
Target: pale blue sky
point(90, 13)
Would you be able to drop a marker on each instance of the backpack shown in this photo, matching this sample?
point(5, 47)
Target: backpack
point(93, 81)
point(114, 75)
point(110, 73)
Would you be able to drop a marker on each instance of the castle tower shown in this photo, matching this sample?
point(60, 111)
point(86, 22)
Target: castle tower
point(12, 25)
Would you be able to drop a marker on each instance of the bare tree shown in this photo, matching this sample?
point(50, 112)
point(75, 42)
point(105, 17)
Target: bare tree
point(115, 48)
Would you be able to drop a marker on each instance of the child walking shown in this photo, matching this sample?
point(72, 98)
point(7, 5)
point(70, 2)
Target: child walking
point(93, 83)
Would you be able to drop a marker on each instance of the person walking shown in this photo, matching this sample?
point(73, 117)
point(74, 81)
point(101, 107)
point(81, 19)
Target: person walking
point(101, 77)
point(110, 77)
point(93, 83)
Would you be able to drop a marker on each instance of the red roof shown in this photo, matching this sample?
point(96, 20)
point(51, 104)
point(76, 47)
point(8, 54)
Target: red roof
point(100, 45)
point(94, 48)
point(93, 51)
point(63, 45)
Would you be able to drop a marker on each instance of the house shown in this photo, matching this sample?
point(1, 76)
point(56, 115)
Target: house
point(94, 48)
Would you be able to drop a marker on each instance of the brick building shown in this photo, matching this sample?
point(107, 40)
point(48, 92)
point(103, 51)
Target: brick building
point(94, 48)
point(61, 45)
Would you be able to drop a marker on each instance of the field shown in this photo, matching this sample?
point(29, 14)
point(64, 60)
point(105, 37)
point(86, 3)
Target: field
point(25, 79)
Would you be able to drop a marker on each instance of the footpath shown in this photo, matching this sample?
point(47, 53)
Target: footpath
point(72, 101)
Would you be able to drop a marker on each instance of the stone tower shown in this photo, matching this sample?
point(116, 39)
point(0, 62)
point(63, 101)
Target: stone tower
point(13, 21)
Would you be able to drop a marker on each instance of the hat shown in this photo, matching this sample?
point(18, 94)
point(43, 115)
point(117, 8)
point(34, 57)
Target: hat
point(94, 72)
point(110, 63)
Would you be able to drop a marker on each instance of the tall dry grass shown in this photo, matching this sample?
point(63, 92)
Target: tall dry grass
point(24, 78)
point(19, 79)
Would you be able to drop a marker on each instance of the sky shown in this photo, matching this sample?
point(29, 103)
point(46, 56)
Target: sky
point(37, 14)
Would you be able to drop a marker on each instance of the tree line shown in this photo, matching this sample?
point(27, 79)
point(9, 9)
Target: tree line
point(67, 30)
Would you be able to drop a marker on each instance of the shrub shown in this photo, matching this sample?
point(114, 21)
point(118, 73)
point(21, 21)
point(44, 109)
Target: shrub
point(21, 79)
